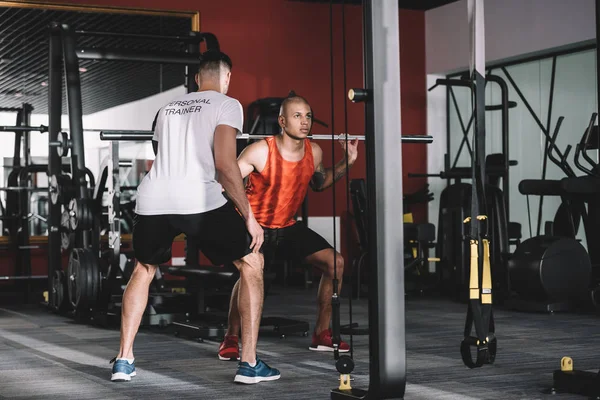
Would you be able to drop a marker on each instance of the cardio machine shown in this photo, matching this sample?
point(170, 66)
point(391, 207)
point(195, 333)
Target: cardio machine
point(553, 271)
point(587, 189)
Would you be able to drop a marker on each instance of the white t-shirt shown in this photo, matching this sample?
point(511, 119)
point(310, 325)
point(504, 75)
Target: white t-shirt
point(183, 177)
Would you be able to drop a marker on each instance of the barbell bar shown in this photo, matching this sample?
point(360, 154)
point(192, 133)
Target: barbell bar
point(122, 135)
point(147, 135)
point(23, 189)
point(41, 129)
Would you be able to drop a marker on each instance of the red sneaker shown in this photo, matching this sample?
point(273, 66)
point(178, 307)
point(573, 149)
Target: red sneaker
point(229, 349)
point(324, 342)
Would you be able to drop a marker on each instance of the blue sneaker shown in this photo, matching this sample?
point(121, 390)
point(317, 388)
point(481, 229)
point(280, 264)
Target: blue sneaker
point(260, 372)
point(122, 370)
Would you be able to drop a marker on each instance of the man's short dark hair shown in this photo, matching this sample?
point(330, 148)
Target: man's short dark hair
point(211, 61)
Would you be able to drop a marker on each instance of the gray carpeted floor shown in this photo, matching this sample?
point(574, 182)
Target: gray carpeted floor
point(43, 356)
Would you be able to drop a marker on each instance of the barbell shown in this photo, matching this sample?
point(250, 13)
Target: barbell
point(121, 135)
point(147, 135)
point(41, 129)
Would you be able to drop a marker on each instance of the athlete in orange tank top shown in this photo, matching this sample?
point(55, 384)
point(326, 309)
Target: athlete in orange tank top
point(276, 193)
point(280, 170)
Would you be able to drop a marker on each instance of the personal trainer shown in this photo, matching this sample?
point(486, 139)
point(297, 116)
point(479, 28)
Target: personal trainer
point(280, 170)
point(194, 140)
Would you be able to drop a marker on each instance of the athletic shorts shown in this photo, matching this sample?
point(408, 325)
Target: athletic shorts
point(221, 235)
point(294, 243)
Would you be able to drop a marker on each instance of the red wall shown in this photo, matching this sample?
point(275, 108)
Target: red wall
point(413, 83)
point(279, 45)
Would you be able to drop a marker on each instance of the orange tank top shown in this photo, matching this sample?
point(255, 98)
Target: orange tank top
point(276, 193)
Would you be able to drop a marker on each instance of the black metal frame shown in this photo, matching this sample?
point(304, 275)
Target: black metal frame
point(64, 53)
point(387, 340)
point(566, 379)
point(546, 129)
point(18, 207)
point(504, 107)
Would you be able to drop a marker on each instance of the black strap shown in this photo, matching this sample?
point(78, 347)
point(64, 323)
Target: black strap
point(479, 312)
point(485, 352)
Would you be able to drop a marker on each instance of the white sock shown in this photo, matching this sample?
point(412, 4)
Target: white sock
point(129, 360)
point(252, 364)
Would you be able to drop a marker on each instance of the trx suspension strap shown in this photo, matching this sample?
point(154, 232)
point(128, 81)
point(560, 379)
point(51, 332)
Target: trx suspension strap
point(479, 311)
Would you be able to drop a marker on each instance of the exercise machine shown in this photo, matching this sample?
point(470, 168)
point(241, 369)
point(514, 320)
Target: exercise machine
point(455, 206)
point(418, 239)
point(552, 271)
point(567, 379)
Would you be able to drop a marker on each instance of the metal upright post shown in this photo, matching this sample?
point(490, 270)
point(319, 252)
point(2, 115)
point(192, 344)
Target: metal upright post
point(24, 253)
point(75, 110)
point(114, 202)
point(27, 110)
point(598, 52)
point(54, 161)
point(387, 341)
point(191, 248)
point(384, 165)
point(74, 105)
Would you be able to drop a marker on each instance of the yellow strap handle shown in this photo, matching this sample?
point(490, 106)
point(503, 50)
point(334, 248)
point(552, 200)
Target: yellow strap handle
point(474, 281)
point(486, 281)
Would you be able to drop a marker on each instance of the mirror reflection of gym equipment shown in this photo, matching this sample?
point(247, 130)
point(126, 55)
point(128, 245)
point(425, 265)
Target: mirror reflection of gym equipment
point(430, 295)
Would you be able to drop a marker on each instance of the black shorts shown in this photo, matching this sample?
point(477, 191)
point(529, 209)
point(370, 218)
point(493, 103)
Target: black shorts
point(221, 235)
point(293, 243)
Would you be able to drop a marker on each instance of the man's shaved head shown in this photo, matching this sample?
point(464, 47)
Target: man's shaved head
point(295, 117)
point(292, 98)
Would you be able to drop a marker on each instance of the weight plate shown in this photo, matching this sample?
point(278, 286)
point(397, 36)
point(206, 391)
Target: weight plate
point(345, 365)
point(94, 271)
point(67, 191)
point(54, 190)
point(74, 214)
point(63, 148)
point(57, 300)
point(73, 278)
point(84, 279)
point(81, 215)
point(66, 240)
point(65, 222)
point(89, 217)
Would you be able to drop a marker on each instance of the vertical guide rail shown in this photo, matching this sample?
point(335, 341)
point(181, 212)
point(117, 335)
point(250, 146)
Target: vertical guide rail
point(74, 105)
point(23, 250)
point(383, 143)
point(114, 202)
point(387, 341)
point(54, 167)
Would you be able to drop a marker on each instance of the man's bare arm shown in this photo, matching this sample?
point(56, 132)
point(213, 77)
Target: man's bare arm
point(228, 169)
point(253, 158)
point(325, 177)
